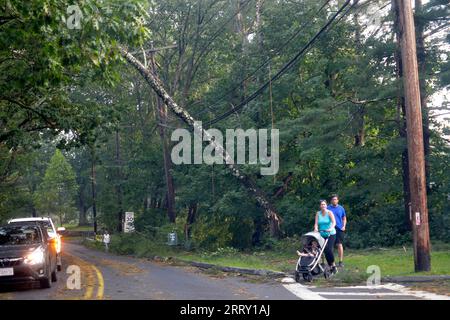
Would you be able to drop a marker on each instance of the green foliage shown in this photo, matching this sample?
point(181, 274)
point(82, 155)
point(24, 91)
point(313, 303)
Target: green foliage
point(212, 233)
point(55, 196)
point(336, 110)
point(139, 245)
point(127, 243)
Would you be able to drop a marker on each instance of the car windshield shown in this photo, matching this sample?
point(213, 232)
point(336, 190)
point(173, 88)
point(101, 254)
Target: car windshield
point(19, 235)
point(46, 225)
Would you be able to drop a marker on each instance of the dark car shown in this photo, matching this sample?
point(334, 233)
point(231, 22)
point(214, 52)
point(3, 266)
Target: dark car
point(27, 254)
point(46, 224)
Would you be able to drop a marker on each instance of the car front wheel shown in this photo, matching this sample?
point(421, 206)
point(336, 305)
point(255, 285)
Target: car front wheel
point(58, 262)
point(54, 277)
point(46, 282)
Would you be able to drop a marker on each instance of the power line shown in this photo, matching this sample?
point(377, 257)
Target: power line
point(346, 12)
point(283, 70)
point(265, 62)
point(334, 23)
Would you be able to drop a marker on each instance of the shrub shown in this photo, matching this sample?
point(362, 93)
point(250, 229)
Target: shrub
point(125, 243)
point(241, 233)
point(212, 233)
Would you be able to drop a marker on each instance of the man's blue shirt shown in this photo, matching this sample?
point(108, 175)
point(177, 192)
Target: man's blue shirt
point(339, 214)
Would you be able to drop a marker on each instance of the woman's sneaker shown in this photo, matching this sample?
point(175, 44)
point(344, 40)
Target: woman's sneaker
point(334, 270)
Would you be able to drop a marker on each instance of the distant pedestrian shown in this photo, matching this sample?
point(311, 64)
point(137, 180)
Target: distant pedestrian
point(341, 222)
point(106, 240)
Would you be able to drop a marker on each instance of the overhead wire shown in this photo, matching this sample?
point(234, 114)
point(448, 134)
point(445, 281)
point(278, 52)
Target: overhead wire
point(284, 69)
point(265, 62)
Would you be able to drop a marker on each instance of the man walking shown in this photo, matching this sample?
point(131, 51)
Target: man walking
point(341, 222)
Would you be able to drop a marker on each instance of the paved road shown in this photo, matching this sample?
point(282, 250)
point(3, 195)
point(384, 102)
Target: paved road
point(107, 276)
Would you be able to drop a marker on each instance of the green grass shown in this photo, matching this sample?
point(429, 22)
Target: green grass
point(392, 261)
point(79, 228)
point(397, 261)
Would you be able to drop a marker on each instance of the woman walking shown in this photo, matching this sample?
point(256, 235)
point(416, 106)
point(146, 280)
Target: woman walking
point(325, 223)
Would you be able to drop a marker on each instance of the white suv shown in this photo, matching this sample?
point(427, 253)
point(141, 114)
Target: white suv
point(48, 225)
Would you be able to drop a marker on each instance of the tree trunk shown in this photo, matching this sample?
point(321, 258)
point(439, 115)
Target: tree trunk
point(281, 190)
point(192, 214)
point(119, 185)
point(241, 31)
point(360, 136)
point(258, 233)
point(33, 211)
point(360, 139)
point(93, 186)
point(82, 220)
point(155, 83)
point(158, 203)
point(162, 118)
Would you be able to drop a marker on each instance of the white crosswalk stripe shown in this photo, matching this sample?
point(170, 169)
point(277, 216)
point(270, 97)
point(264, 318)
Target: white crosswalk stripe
point(384, 291)
point(300, 290)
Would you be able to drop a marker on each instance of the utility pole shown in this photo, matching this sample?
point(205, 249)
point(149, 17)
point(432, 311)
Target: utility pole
point(417, 180)
point(162, 119)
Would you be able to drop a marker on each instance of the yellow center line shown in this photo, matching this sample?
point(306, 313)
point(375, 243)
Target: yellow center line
point(101, 283)
point(90, 283)
point(89, 270)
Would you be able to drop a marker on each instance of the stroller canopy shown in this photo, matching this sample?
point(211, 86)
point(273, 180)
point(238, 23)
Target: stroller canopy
point(308, 237)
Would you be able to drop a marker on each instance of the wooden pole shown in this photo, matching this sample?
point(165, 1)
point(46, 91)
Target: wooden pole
point(417, 181)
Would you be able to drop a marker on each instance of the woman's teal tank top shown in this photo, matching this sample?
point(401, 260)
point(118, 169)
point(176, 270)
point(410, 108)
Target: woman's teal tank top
point(324, 223)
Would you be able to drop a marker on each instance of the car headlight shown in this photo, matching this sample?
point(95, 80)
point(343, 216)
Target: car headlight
point(35, 257)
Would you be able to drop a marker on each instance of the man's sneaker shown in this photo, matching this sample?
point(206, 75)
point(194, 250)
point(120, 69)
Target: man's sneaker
point(341, 264)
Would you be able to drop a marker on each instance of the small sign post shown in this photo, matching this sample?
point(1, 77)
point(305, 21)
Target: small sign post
point(128, 225)
point(172, 239)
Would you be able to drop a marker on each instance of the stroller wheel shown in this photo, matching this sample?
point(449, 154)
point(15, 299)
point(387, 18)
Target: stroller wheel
point(297, 276)
point(307, 277)
point(327, 272)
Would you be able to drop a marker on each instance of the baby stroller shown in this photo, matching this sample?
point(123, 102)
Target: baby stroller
point(309, 263)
